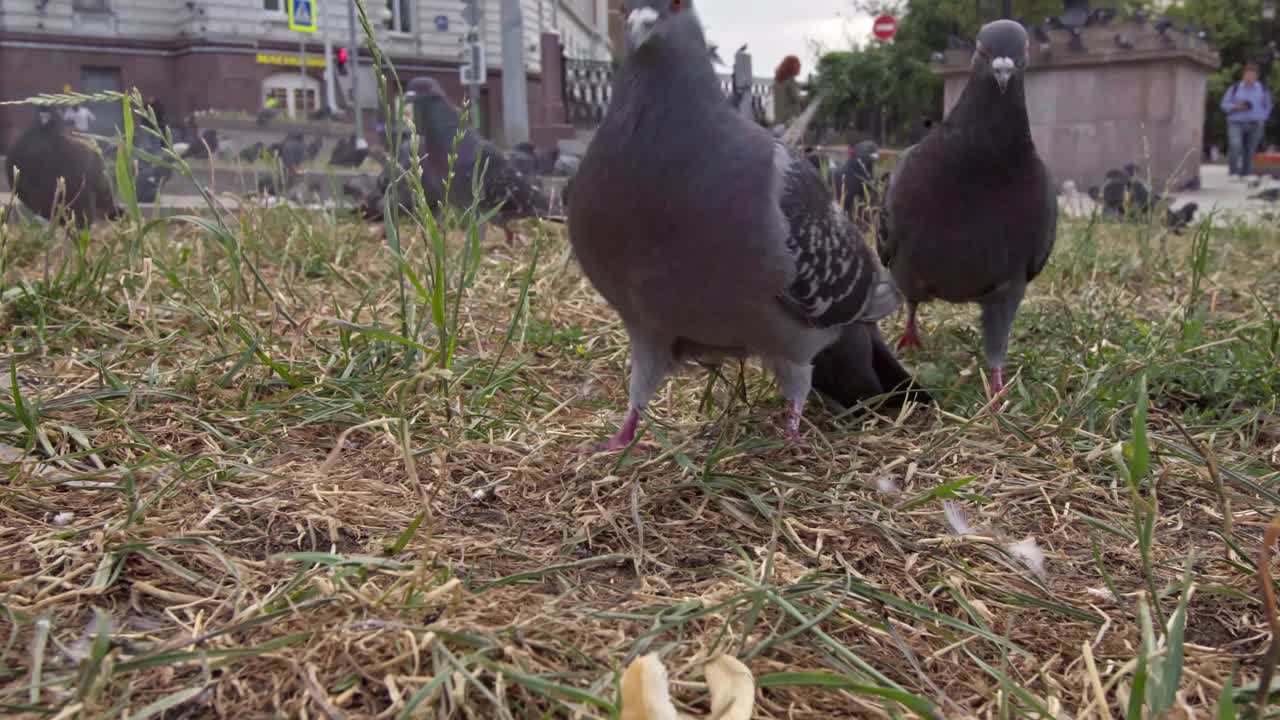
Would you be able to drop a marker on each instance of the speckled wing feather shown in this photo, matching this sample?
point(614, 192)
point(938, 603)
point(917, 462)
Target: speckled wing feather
point(506, 186)
point(836, 281)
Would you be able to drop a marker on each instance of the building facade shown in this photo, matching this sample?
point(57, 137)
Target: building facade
point(232, 55)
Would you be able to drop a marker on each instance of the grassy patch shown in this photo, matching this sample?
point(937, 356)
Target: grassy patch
point(279, 462)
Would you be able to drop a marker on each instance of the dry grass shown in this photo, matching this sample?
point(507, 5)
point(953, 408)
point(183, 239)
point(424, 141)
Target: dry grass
point(191, 527)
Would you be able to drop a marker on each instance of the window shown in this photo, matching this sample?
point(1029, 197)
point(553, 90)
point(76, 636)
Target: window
point(305, 100)
point(293, 94)
point(90, 5)
point(274, 6)
point(280, 95)
point(398, 15)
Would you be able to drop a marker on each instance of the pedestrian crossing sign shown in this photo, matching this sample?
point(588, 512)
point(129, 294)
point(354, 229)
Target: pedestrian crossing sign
point(302, 15)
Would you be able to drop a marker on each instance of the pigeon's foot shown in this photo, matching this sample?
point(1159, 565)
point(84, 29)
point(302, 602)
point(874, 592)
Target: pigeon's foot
point(910, 339)
point(622, 439)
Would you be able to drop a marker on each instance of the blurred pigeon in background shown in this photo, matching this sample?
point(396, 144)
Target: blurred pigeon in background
point(46, 152)
point(856, 182)
point(503, 188)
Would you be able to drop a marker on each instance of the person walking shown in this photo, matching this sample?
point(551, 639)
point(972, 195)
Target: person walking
point(79, 117)
point(788, 101)
point(1247, 105)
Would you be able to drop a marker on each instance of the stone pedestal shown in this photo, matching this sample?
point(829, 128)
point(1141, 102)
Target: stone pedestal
point(1110, 105)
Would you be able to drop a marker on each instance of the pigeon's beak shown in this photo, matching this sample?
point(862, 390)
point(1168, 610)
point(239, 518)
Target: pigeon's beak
point(640, 25)
point(1002, 68)
point(45, 117)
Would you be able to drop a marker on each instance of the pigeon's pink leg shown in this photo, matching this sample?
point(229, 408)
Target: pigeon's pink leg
point(511, 236)
point(910, 337)
point(625, 434)
point(795, 410)
point(997, 381)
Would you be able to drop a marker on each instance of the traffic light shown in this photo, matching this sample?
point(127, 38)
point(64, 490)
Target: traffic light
point(341, 61)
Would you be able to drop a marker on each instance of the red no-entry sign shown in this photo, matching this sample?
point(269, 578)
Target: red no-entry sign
point(885, 27)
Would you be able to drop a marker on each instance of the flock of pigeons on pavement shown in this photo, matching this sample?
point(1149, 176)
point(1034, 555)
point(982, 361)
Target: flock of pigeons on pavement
point(714, 239)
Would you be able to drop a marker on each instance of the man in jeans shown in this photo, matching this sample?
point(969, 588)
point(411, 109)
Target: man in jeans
point(1247, 105)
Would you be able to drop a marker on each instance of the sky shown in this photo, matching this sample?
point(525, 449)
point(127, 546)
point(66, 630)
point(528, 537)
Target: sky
point(774, 29)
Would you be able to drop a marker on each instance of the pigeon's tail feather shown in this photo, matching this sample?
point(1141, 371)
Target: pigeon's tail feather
point(859, 366)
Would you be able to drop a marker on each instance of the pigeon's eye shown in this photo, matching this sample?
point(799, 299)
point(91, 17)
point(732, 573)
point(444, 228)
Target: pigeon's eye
point(677, 5)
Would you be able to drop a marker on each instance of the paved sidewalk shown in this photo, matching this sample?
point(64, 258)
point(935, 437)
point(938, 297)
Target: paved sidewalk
point(1228, 200)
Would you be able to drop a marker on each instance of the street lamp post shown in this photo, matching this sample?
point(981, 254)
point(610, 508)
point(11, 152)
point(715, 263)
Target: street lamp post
point(354, 55)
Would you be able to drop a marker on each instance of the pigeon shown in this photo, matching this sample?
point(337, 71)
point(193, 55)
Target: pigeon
point(46, 152)
point(1124, 42)
point(1124, 196)
point(1268, 195)
point(252, 152)
point(510, 193)
point(313, 148)
point(1102, 16)
point(1182, 217)
point(856, 181)
point(524, 158)
point(983, 240)
point(203, 147)
point(349, 152)
point(292, 151)
point(367, 194)
point(713, 239)
point(1038, 32)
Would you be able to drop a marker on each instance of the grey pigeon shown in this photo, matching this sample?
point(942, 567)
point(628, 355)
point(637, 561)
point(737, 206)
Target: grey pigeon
point(293, 151)
point(1124, 42)
point(504, 189)
point(252, 152)
point(313, 148)
point(349, 152)
point(45, 152)
point(981, 240)
point(1124, 196)
point(1268, 195)
point(856, 184)
point(206, 144)
point(712, 239)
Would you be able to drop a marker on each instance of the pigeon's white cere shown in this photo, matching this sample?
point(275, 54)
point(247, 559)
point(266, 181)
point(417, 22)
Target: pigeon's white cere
point(1002, 63)
point(640, 23)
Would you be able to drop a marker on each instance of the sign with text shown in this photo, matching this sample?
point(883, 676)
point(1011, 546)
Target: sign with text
point(302, 15)
point(292, 60)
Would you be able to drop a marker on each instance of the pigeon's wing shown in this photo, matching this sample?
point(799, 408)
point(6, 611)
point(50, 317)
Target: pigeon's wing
point(884, 235)
point(836, 280)
point(504, 185)
point(1049, 230)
